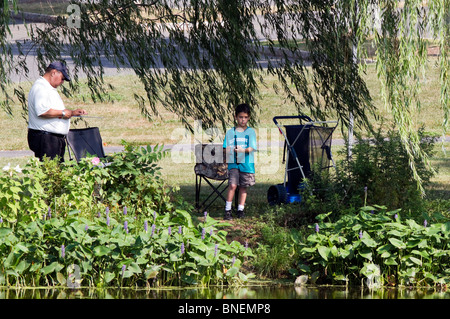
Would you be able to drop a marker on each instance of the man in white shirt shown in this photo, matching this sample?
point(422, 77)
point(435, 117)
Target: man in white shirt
point(48, 119)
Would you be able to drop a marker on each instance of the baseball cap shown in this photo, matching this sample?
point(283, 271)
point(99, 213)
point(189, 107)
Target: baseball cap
point(58, 65)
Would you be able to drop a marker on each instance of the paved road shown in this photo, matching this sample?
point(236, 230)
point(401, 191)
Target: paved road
point(19, 33)
point(107, 149)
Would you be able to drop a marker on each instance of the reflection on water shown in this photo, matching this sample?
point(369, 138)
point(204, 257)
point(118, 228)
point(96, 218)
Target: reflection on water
point(252, 292)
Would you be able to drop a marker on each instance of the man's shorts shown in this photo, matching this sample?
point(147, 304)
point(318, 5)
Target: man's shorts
point(236, 177)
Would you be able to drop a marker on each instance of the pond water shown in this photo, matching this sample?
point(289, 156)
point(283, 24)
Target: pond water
point(225, 302)
point(226, 293)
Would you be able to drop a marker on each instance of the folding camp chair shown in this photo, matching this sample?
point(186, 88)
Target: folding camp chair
point(212, 168)
point(85, 141)
point(308, 145)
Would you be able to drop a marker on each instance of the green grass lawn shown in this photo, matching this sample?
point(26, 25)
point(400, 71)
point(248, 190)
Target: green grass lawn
point(121, 120)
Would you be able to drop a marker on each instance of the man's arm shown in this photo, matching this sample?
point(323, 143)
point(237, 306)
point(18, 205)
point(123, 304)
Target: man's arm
point(52, 113)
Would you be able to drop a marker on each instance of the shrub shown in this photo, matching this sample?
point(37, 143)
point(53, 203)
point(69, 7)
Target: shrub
point(129, 179)
point(134, 179)
point(381, 164)
point(378, 172)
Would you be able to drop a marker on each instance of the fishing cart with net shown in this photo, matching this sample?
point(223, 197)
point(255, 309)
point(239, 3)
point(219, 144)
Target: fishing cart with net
point(307, 145)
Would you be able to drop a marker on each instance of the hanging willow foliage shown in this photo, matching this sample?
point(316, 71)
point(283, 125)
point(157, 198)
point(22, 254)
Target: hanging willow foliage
point(402, 31)
point(6, 56)
point(199, 58)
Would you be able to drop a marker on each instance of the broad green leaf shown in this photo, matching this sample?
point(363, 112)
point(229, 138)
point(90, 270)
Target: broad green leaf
point(15, 189)
point(413, 243)
point(384, 248)
point(21, 247)
point(397, 243)
point(176, 256)
point(422, 253)
point(54, 266)
point(385, 254)
point(340, 277)
point(413, 225)
point(344, 253)
point(396, 233)
point(232, 271)
point(446, 227)
point(324, 252)
point(391, 261)
point(415, 260)
point(334, 251)
point(369, 242)
point(4, 231)
point(61, 278)
point(190, 280)
point(423, 244)
point(152, 272)
point(10, 261)
point(134, 267)
point(22, 266)
point(304, 268)
point(109, 276)
point(308, 249)
point(433, 230)
point(243, 277)
point(100, 251)
point(366, 253)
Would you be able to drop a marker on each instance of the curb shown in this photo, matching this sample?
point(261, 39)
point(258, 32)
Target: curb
point(35, 17)
point(281, 53)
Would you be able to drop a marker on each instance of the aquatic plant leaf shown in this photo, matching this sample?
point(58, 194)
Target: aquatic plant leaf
point(190, 280)
point(22, 266)
point(324, 252)
point(152, 272)
point(446, 228)
point(397, 243)
point(109, 276)
point(232, 271)
point(134, 267)
point(101, 251)
point(61, 278)
point(415, 260)
point(4, 231)
point(54, 266)
point(369, 242)
point(366, 253)
point(391, 261)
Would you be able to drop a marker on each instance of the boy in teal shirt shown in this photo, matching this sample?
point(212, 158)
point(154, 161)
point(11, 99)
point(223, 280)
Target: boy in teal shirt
point(240, 144)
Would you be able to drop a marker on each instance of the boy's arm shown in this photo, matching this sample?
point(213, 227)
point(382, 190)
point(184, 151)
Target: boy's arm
point(228, 148)
point(251, 144)
point(247, 150)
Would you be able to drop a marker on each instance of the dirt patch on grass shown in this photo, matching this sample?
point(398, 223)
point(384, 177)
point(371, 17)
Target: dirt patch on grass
point(244, 231)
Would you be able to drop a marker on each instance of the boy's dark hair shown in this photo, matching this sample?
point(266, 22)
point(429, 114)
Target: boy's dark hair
point(244, 107)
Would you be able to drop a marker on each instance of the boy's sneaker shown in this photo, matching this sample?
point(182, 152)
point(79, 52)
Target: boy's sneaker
point(227, 215)
point(240, 214)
